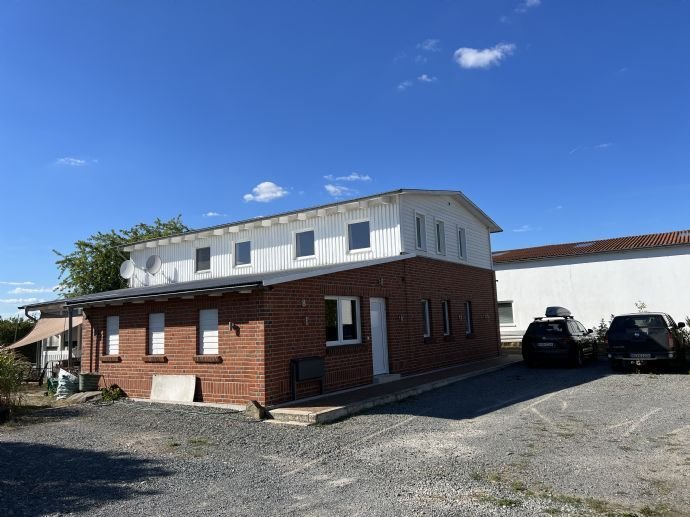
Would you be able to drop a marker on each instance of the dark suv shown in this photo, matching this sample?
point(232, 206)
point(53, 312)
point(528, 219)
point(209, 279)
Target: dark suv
point(558, 337)
point(644, 337)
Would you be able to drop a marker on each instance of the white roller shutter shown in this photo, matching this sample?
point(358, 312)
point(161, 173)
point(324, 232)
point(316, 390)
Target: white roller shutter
point(112, 337)
point(157, 333)
point(208, 331)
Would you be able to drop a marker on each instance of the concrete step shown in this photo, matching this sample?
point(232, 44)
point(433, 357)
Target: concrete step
point(386, 377)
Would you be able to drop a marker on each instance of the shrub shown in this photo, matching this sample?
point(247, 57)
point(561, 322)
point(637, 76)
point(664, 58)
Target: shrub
point(111, 393)
point(13, 370)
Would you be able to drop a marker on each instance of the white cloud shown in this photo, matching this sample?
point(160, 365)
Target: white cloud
point(527, 4)
point(424, 78)
point(430, 45)
point(404, 86)
point(30, 290)
point(266, 191)
point(354, 176)
point(15, 283)
point(329, 177)
point(475, 58)
point(605, 145)
point(70, 161)
point(525, 228)
point(20, 301)
point(339, 190)
point(213, 214)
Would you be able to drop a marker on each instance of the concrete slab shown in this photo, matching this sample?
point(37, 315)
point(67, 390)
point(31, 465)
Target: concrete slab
point(84, 396)
point(173, 388)
point(335, 406)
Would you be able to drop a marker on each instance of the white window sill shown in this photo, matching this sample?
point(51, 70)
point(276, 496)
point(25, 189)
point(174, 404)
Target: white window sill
point(508, 325)
point(240, 266)
point(359, 250)
point(202, 271)
point(306, 257)
point(343, 343)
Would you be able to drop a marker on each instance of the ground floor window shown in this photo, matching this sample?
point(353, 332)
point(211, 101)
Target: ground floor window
point(343, 325)
point(208, 331)
point(469, 323)
point(156, 333)
point(505, 313)
point(445, 311)
point(112, 335)
point(426, 318)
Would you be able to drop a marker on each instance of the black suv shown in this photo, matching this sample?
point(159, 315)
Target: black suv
point(558, 336)
point(643, 338)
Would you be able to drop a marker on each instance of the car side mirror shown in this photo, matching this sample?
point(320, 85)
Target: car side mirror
point(681, 325)
point(589, 331)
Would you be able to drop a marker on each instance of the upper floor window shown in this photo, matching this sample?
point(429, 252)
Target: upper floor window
point(445, 311)
point(112, 335)
point(304, 244)
point(157, 333)
point(342, 320)
point(426, 318)
point(505, 313)
point(440, 237)
point(243, 253)
point(420, 231)
point(203, 259)
point(358, 236)
point(462, 243)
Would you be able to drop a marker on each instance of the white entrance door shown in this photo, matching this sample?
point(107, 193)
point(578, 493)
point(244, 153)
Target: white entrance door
point(379, 335)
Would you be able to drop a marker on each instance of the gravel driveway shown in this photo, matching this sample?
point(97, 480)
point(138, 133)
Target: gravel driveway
point(516, 442)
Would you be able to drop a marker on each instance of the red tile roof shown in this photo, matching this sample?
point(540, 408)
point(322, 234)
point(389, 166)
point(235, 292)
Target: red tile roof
point(573, 249)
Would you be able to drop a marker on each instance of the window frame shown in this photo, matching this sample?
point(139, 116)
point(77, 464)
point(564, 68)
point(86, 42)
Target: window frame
point(295, 233)
point(440, 237)
point(108, 344)
point(196, 259)
point(462, 242)
point(347, 236)
point(201, 350)
point(469, 319)
point(445, 316)
point(150, 350)
point(358, 316)
point(235, 254)
point(420, 231)
point(426, 318)
point(512, 313)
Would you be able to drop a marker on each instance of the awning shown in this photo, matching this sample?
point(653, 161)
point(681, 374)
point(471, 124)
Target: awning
point(45, 328)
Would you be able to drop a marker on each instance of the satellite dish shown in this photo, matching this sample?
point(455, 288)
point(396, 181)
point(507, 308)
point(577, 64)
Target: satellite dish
point(127, 269)
point(153, 264)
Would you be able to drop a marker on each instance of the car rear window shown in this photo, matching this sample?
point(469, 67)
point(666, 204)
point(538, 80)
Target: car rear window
point(641, 322)
point(546, 328)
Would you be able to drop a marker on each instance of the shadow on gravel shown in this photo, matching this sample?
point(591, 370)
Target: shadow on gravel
point(38, 479)
point(484, 394)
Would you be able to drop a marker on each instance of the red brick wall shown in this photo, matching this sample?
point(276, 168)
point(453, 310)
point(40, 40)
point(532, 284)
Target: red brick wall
point(240, 376)
point(296, 327)
point(288, 321)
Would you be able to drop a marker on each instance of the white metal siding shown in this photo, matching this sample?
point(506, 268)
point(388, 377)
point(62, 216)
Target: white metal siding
point(453, 215)
point(112, 339)
point(157, 333)
point(208, 331)
point(273, 247)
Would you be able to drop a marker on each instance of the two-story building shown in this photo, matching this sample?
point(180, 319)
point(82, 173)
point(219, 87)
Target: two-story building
point(395, 283)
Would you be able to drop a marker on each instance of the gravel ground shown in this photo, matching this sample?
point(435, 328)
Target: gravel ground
point(545, 441)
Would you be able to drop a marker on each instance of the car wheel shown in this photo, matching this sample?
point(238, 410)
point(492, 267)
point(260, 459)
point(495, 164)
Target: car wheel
point(579, 358)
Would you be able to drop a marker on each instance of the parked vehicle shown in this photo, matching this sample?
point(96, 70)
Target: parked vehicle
point(558, 336)
point(644, 337)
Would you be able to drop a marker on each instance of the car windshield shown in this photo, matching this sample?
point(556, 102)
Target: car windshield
point(643, 321)
point(547, 328)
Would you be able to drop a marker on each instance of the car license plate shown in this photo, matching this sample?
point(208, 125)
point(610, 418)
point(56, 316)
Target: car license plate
point(640, 356)
point(545, 345)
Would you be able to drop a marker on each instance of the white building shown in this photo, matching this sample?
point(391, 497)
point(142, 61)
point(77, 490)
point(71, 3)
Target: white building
point(594, 279)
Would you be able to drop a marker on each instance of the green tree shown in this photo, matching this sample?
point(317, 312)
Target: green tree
point(13, 329)
point(94, 265)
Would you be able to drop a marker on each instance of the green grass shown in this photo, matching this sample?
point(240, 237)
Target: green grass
point(197, 441)
point(659, 510)
point(476, 476)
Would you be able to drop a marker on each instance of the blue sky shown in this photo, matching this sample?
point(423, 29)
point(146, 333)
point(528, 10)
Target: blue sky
point(563, 120)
